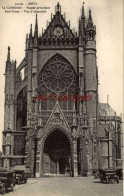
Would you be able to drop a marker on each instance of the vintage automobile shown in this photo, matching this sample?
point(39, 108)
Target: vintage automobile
point(20, 176)
point(119, 172)
point(95, 174)
point(7, 180)
point(108, 175)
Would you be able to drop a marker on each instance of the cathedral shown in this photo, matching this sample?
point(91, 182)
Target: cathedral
point(45, 128)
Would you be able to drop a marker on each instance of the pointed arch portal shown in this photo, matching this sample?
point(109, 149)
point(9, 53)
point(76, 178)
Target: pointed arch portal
point(57, 154)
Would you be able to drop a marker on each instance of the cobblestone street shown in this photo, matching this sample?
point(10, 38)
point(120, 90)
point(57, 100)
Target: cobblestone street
point(61, 186)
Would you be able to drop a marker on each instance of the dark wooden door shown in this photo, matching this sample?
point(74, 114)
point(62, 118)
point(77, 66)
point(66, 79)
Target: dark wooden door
point(62, 165)
point(53, 163)
point(46, 164)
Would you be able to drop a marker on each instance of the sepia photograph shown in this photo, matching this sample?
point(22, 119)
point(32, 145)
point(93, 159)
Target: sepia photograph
point(61, 87)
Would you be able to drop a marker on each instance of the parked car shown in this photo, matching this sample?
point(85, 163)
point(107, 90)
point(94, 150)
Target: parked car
point(95, 174)
point(7, 181)
point(119, 172)
point(108, 175)
point(21, 176)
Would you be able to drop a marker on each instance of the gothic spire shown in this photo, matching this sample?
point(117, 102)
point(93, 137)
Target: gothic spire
point(36, 33)
point(8, 55)
point(83, 14)
point(26, 44)
point(80, 30)
point(36, 27)
point(58, 7)
point(90, 22)
point(90, 29)
point(82, 26)
point(30, 35)
point(8, 62)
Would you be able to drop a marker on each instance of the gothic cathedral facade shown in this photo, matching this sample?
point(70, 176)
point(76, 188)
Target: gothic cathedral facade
point(51, 136)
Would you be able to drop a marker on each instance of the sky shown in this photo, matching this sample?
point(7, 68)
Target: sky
point(107, 16)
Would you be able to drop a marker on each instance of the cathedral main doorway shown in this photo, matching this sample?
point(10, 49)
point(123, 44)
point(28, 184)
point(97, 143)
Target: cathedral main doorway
point(57, 154)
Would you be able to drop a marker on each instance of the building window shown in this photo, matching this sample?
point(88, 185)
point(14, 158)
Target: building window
point(57, 78)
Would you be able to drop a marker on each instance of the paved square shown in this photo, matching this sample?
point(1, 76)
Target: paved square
point(67, 186)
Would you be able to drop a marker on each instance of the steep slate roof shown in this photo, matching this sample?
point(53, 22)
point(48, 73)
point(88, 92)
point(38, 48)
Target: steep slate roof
point(104, 109)
point(58, 21)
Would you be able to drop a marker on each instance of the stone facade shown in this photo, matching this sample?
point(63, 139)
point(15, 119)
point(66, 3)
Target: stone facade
point(53, 137)
point(109, 137)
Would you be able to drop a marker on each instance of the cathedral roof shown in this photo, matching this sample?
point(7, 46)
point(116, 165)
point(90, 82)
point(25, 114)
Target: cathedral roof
point(58, 31)
point(105, 110)
point(58, 26)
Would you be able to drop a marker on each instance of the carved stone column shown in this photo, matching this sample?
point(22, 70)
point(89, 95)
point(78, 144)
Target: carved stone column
point(88, 158)
point(33, 157)
point(81, 156)
point(75, 162)
point(41, 166)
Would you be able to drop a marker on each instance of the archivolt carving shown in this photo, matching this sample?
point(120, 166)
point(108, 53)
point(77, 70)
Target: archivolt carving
point(59, 129)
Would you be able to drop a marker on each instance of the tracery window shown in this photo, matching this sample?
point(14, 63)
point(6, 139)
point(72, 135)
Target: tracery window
point(57, 78)
point(22, 109)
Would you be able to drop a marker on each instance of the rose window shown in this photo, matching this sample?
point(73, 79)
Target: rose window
point(57, 75)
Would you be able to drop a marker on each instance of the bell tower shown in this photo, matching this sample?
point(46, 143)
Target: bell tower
point(91, 83)
point(9, 115)
point(9, 91)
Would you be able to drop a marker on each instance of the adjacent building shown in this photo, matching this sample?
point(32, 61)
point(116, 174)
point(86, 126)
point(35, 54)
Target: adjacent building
point(109, 137)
